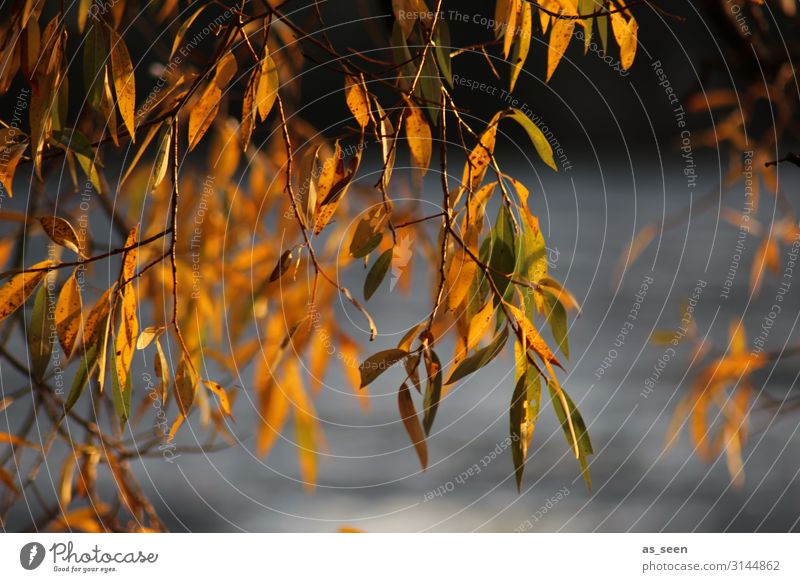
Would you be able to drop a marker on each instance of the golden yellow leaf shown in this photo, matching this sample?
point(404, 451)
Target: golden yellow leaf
point(21, 286)
point(523, 43)
point(479, 324)
point(266, 87)
point(418, 133)
point(222, 396)
point(85, 519)
point(560, 35)
point(531, 337)
point(625, 32)
point(124, 81)
point(69, 313)
point(357, 100)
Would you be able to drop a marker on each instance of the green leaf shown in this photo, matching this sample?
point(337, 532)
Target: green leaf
point(39, 343)
point(85, 370)
point(557, 319)
point(122, 398)
point(377, 274)
point(442, 51)
point(378, 363)
point(584, 442)
point(540, 142)
point(523, 412)
point(433, 391)
point(480, 358)
point(367, 237)
point(95, 57)
point(503, 250)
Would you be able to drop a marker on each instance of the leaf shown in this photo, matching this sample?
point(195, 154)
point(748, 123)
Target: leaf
point(377, 273)
point(69, 311)
point(480, 157)
point(282, 266)
point(368, 234)
point(97, 318)
point(357, 100)
point(388, 148)
point(625, 32)
point(557, 318)
point(479, 324)
point(10, 156)
point(442, 51)
point(203, 113)
point(162, 370)
point(503, 251)
point(124, 81)
point(88, 364)
point(480, 358)
point(125, 341)
point(39, 343)
point(378, 363)
point(411, 423)
point(185, 387)
point(184, 28)
point(571, 415)
point(61, 232)
point(267, 86)
point(21, 286)
point(161, 163)
point(147, 335)
point(560, 35)
point(531, 337)
point(521, 48)
point(418, 134)
point(433, 390)
point(222, 396)
point(538, 139)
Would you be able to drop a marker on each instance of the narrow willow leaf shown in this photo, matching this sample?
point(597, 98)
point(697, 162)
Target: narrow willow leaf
point(61, 232)
point(503, 256)
point(21, 286)
point(97, 318)
point(411, 423)
point(281, 266)
point(69, 312)
point(203, 113)
point(522, 46)
point(531, 337)
point(560, 35)
point(480, 358)
point(357, 100)
point(222, 396)
point(625, 33)
point(368, 234)
point(162, 370)
point(39, 343)
point(267, 87)
point(161, 163)
point(10, 156)
point(124, 81)
point(418, 134)
point(176, 42)
point(442, 51)
point(95, 57)
point(557, 319)
point(584, 443)
point(147, 335)
point(540, 142)
point(88, 364)
point(377, 273)
point(433, 390)
point(185, 387)
point(517, 420)
point(378, 363)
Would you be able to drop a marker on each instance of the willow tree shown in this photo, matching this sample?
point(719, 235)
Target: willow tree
point(185, 229)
